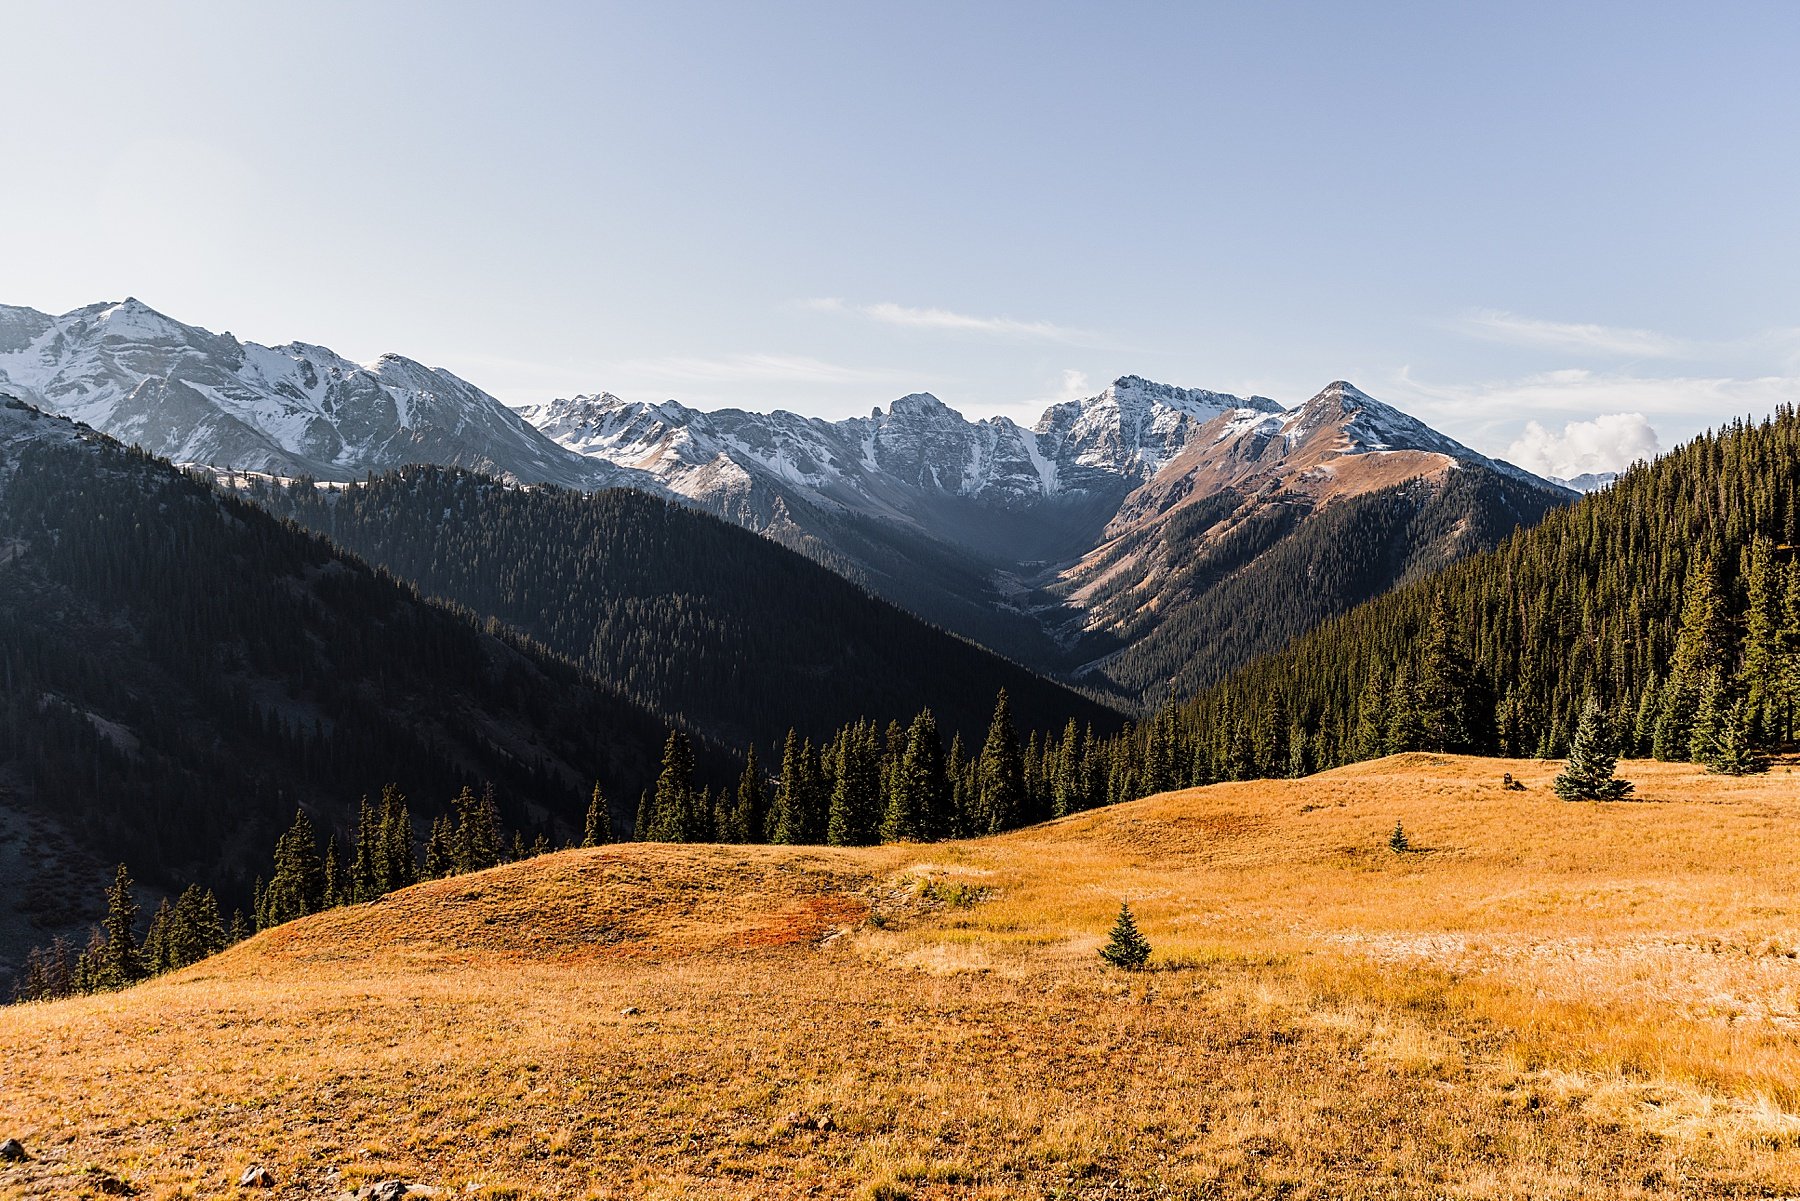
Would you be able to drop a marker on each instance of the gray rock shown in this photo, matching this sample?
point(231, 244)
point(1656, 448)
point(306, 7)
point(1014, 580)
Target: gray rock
point(12, 1151)
point(393, 1190)
point(255, 1177)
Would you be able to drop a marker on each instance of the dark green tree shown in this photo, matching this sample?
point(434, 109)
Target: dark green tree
point(1000, 771)
point(120, 960)
point(856, 801)
point(1127, 948)
point(297, 886)
point(596, 830)
point(1589, 773)
point(919, 798)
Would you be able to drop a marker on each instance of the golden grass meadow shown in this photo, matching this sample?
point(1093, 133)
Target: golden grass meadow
point(1541, 999)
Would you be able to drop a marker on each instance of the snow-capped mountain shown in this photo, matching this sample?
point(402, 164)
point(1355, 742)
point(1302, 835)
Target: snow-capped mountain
point(920, 462)
point(195, 396)
point(1078, 542)
point(1126, 433)
point(1587, 481)
point(1084, 530)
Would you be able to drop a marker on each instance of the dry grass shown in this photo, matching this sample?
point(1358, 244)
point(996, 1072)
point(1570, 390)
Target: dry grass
point(1546, 1000)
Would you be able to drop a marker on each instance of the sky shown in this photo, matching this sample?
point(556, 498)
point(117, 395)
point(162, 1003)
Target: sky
point(1562, 233)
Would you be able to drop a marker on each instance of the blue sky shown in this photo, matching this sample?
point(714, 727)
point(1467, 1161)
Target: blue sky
point(1492, 216)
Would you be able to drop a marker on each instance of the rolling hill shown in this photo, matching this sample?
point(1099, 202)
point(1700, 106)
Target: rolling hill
point(1542, 999)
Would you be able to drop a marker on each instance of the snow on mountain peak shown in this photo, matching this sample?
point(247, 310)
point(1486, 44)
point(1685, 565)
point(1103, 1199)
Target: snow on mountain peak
point(194, 396)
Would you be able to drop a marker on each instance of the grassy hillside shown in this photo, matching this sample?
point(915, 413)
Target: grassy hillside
point(1542, 999)
point(686, 612)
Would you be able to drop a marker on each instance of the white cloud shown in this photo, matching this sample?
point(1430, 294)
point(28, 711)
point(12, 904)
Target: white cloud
point(1492, 415)
point(1609, 442)
point(907, 317)
point(1074, 385)
point(1499, 326)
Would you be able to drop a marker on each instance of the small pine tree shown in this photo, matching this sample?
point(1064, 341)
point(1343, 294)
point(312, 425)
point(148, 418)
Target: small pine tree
point(1127, 949)
point(597, 829)
point(1398, 842)
point(1588, 774)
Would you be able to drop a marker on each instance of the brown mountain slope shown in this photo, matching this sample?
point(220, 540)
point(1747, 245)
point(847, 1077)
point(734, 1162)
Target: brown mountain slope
point(1542, 1000)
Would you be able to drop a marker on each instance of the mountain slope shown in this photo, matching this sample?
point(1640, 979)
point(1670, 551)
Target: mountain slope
point(1133, 538)
point(686, 612)
point(1263, 526)
point(193, 396)
point(178, 670)
point(1107, 543)
point(1590, 603)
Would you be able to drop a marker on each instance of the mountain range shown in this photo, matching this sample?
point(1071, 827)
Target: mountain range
point(1113, 542)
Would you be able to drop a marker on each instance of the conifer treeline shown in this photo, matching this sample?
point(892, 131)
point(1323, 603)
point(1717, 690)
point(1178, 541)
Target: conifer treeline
point(307, 876)
point(866, 785)
point(1672, 598)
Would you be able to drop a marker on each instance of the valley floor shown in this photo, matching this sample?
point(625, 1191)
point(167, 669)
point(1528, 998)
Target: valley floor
point(1539, 1000)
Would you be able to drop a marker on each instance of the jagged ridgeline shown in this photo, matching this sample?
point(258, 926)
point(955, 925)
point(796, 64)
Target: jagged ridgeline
point(1671, 594)
point(180, 670)
point(683, 611)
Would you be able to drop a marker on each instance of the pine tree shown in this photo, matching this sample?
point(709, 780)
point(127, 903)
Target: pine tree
point(1643, 729)
point(337, 889)
point(1734, 751)
point(440, 848)
point(157, 958)
point(1372, 718)
point(855, 817)
point(919, 798)
point(366, 882)
point(798, 815)
point(297, 886)
point(1398, 842)
point(674, 805)
point(1406, 724)
point(1703, 652)
point(748, 807)
point(1446, 685)
point(643, 826)
point(1762, 664)
point(1000, 771)
point(1711, 719)
point(119, 960)
point(1127, 948)
point(475, 845)
point(1589, 773)
point(1273, 749)
point(399, 862)
point(597, 829)
point(1067, 793)
point(198, 930)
